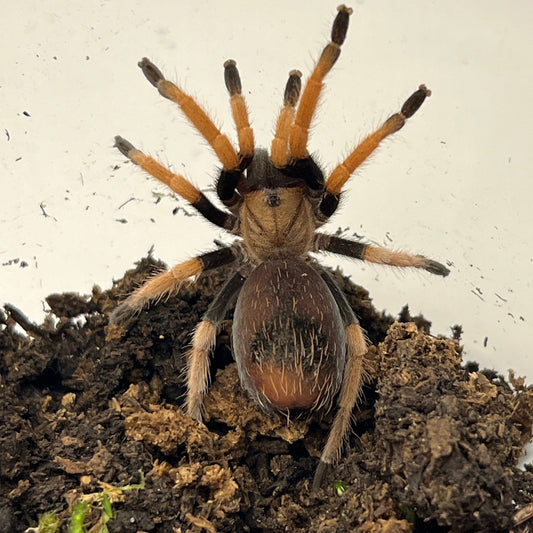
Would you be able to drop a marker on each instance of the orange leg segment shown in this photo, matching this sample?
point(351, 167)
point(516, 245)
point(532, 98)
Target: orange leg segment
point(198, 117)
point(169, 282)
point(238, 108)
point(313, 88)
point(280, 143)
point(351, 385)
point(176, 182)
point(377, 254)
point(342, 173)
point(163, 284)
point(203, 342)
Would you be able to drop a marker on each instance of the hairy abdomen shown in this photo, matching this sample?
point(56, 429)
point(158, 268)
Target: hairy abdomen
point(288, 337)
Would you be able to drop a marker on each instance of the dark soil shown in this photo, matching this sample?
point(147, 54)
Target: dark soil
point(86, 409)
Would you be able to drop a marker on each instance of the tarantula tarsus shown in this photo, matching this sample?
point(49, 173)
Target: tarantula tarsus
point(296, 341)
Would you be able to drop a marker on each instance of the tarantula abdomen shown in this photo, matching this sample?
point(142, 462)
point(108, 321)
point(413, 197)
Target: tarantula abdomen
point(289, 342)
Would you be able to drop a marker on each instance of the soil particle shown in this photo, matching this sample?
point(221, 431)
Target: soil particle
point(88, 410)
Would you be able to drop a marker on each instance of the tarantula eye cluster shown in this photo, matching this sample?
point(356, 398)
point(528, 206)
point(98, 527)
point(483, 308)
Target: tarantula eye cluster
point(296, 341)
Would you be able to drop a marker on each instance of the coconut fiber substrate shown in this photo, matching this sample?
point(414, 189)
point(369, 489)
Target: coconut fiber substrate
point(93, 436)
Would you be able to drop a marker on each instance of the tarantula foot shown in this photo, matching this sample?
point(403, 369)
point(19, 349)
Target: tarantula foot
point(123, 145)
point(232, 78)
point(195, 411)
point(150, 71)
point(293, 88)
point(123, 315)
point(413, 103)
point(319, 476)
point(436, 268)
point(340, 24)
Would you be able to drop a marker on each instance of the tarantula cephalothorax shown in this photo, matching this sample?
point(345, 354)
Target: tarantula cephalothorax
point(296, 341)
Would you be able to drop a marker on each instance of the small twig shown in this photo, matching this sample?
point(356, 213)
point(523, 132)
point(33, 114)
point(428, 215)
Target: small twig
point(476, 292)
point(24, 322)
point(42, 205)
point(126, 202)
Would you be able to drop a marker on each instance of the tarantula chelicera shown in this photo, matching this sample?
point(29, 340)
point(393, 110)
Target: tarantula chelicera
point(296, 341)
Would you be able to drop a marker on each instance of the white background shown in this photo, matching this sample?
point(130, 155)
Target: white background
point(454, 184)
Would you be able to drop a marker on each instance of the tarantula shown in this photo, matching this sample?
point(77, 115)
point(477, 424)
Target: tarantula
point(296, 341)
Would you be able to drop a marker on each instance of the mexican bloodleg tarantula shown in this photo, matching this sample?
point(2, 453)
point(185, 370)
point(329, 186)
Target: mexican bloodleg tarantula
point(296, 341)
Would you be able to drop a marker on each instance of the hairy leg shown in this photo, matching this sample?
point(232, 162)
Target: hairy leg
point(377, 254)
point(313, 88)
point(204, 340)
point(356, 348)
point(168, 282)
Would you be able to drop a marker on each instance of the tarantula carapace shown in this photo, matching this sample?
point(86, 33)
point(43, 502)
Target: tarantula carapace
point(296, 341)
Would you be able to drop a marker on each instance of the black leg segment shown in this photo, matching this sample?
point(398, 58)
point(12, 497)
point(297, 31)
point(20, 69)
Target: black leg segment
point(220, 218)
point(225, 299)
point(338, 245)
